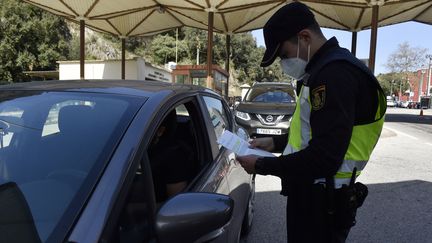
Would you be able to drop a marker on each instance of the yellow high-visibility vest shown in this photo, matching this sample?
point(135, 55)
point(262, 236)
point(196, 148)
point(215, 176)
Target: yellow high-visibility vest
point(363, 139)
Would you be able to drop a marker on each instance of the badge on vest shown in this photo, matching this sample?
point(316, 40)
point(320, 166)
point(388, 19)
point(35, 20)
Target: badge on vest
point(318, 97)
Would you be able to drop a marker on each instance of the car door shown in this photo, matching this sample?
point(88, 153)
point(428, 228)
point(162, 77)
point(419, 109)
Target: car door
point(128, 212)
point(138, 209)
point(213, 167)
point(219, 118)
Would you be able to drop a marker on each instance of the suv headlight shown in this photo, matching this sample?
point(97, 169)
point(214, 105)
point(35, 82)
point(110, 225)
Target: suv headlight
point(243, 115)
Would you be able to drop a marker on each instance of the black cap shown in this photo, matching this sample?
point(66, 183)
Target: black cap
point(284, 24)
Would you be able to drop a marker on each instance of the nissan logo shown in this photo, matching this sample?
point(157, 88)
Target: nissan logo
point(269, 118)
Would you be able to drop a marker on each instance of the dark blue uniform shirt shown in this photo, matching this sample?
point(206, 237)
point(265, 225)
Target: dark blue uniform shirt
point(349, 99)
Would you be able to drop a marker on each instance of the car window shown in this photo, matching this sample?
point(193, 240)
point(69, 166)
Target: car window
point(218, 116)
point(173, 153)
point(61, 142)
point(270, 95)
point(173, 160)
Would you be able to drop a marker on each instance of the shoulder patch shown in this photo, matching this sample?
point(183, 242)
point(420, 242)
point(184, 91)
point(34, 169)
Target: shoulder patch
point(318, 97)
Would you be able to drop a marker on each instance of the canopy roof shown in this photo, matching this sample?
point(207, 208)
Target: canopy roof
point(149, 17)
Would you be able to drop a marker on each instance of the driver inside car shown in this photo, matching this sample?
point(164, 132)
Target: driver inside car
point(171, 160)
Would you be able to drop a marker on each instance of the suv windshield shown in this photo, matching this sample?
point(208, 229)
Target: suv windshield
point(53, 146)
point(270, 94)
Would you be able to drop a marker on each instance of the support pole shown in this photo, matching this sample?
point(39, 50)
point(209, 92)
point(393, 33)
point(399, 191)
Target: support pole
point(429, 56)
point(227, 62)
point(354, 43)
point(210, 50)
point(420, 88)
point(374, 33)
point(400, 94)
point(176, 46)
point(82, 46)
point(123, 57)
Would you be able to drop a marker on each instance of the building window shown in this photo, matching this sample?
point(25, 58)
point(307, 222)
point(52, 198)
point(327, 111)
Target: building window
point(181, 79)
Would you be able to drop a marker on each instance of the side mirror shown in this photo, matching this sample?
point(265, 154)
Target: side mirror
point(193, 217)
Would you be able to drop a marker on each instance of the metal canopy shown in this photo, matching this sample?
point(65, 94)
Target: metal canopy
point(148, 17)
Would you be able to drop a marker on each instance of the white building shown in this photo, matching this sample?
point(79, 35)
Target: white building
point(136, 69)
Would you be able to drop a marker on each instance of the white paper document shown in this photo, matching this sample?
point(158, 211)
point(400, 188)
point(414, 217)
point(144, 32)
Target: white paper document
point(239, 146)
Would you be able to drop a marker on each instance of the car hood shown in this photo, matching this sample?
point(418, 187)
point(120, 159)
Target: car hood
point(267, 108)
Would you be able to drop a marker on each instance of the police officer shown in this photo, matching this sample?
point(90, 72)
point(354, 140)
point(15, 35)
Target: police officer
point(336, 125)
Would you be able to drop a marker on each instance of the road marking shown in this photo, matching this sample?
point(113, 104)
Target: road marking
point(401, 133)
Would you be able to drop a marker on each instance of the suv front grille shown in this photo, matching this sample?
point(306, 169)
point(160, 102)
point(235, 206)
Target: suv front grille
point(269, 120)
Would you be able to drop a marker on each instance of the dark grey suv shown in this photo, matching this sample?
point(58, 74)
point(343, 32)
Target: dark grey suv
point(267, 109)
point(86, 161)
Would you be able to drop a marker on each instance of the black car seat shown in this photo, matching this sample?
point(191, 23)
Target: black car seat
point(185, 132)
point(172, 157)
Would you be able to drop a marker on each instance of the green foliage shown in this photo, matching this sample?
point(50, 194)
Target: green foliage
point(245, 56)
point(162, 49)
point(30, 39)
point(195, 40)
point(138, 45)
point(393, 83)
point(33, 39)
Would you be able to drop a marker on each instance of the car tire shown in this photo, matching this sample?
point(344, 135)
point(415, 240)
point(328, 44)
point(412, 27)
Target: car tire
point(250, 210)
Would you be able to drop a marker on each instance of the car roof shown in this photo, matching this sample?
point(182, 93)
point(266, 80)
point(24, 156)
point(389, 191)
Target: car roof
point(273, 84)
point(144, 88)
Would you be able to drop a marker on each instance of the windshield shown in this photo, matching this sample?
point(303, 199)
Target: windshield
point(53, 146)
point(269, 94)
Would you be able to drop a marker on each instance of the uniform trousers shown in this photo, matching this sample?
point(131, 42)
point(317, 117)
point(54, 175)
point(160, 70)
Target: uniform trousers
point(307, 217)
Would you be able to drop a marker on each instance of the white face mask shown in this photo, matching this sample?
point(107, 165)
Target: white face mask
point(295, 67)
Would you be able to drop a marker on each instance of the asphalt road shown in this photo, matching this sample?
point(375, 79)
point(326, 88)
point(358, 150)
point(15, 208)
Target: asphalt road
point(399, 177)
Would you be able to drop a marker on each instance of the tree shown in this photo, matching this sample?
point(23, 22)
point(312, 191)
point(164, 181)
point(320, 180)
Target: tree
point(30, 39)
point(406, 59)
point(393, 83)
point(162, 49)
point(245, 55)
point(196, 40)
point(401, 63)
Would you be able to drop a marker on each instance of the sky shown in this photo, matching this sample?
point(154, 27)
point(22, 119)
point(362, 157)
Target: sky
point(389, 37)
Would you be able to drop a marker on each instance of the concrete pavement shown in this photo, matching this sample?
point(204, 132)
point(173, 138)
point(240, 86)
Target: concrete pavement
point(399, 177)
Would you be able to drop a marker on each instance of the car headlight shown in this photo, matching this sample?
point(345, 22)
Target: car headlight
point(243, 115)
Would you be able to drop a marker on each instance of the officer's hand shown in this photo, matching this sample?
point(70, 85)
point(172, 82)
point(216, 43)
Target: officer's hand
point(266, 144)
point(248, 162)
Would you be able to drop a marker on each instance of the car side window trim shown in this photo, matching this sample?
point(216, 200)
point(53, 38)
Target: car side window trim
point(229, 120)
